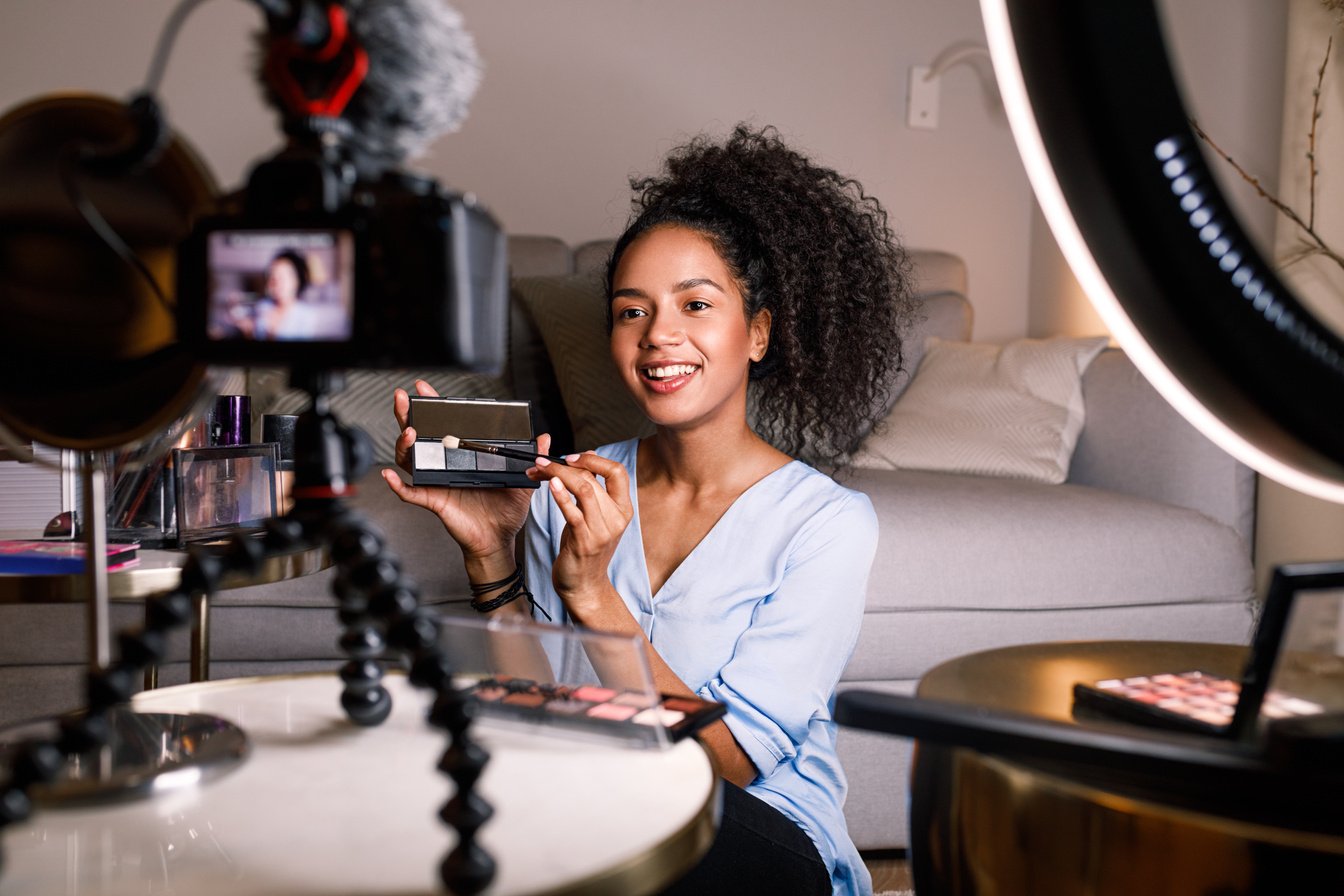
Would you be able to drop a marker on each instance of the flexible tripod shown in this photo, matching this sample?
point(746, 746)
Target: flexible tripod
point(379, 608)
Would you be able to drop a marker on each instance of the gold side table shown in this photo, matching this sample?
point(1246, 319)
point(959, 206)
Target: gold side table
point(986, 824)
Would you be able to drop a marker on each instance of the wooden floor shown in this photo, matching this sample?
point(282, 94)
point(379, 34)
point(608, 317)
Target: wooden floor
point(890, 871)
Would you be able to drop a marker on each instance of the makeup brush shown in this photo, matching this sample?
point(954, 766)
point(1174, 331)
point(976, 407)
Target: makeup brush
point(529, 456)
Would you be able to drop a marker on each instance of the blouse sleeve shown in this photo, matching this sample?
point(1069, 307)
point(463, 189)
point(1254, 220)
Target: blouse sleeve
point(785, 666)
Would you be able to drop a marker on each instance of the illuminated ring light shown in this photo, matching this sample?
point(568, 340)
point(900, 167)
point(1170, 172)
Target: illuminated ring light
point(1117, 169)
point(89, 358)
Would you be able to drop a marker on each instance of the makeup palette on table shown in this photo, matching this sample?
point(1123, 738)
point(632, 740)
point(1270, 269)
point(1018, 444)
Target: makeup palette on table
point(632, 716)
point(1187, 701)
point(568, 681)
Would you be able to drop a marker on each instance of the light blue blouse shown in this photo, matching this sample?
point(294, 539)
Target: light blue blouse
point(762, 616)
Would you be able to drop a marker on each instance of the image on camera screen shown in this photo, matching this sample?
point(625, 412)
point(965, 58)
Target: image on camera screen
point(293, 285)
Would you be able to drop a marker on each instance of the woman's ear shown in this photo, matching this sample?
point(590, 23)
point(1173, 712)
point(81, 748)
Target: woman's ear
point(760, 334)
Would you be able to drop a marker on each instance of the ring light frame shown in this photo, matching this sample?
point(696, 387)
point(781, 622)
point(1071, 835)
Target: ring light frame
point(1117, 169)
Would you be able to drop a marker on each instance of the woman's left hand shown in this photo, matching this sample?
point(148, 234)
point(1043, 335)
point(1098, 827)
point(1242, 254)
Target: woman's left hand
point(596, 513)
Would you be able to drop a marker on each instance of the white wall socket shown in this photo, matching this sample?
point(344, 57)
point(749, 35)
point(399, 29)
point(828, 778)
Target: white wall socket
point(921, 107)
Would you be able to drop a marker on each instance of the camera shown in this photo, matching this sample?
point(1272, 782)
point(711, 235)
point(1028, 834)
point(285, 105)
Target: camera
point(332, 256)
point(320, 270)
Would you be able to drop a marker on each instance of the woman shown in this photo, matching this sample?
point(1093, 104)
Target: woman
point(286, 312)
point(743, 570)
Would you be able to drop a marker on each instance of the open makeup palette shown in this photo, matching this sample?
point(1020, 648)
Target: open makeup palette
point(569, 682)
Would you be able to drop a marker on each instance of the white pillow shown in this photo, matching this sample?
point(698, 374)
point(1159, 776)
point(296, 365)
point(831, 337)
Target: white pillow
point(1013, 411)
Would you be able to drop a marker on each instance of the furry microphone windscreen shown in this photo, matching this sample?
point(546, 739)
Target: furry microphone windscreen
point(423, 72)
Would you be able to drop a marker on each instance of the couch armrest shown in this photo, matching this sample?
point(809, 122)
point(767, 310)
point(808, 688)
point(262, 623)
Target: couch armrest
point(1134, 442)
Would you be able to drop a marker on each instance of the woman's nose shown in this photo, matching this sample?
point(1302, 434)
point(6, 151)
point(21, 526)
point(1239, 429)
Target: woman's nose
point(663, 330)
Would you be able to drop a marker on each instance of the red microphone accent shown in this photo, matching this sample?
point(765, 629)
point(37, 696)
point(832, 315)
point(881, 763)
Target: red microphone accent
point(341, 51)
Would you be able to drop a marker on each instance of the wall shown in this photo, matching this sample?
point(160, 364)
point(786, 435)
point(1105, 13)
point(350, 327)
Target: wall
point(579, 95)
point(1294, 527)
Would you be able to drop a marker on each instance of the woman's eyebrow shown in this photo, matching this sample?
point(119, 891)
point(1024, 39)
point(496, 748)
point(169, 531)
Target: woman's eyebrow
point(683, 286)
point(695, 282)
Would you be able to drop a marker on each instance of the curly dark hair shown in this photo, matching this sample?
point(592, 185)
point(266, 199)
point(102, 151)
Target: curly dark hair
point(816, 251)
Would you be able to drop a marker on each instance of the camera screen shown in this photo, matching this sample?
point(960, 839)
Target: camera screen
point(280, 285)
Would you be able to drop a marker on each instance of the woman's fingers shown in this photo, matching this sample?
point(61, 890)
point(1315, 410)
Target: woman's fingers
point(615, 477)
point(411, 494)
point(596, 512)
point(424, 389)
point(403, 449)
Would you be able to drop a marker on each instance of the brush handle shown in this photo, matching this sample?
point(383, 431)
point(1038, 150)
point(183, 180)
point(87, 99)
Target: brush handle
point(507, 452)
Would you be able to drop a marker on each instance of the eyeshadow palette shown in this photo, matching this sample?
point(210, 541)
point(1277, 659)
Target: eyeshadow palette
point(1186, 701)
point(607, 713)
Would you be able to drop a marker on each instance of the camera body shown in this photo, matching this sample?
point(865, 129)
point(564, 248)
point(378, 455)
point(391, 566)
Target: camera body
point(317, 269)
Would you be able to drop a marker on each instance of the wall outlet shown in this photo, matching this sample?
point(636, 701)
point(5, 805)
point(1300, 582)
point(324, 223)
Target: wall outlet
point(921, 107)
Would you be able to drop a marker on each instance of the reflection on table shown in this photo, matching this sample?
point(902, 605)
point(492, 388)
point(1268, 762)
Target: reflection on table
point(323, 807)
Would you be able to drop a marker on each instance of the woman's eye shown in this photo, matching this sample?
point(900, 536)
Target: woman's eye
point(629, 313)
point(697, 305)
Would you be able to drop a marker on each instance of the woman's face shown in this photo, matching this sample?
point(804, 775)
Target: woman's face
point(680, 337)
point(282, 281)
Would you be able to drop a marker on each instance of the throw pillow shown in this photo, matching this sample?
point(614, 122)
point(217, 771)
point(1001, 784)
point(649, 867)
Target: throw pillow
point(570, 313)
point(1013, 411)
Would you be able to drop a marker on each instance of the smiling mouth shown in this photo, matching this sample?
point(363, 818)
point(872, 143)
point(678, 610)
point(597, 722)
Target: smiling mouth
point(668, 373)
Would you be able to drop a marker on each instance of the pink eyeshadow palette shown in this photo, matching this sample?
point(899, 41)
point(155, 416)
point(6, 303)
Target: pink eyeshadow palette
point(1190, 701)
point(606, 713)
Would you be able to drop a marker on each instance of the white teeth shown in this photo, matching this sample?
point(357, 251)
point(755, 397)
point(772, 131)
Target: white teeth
point(659, 373)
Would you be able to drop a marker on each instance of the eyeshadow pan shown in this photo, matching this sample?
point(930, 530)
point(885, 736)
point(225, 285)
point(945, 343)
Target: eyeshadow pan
point(658, 716)
point(613, 711)
point(567, 707)
point(593, 694)
point(524, 699)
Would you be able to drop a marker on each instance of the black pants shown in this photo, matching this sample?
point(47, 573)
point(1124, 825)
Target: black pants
point(757, 850)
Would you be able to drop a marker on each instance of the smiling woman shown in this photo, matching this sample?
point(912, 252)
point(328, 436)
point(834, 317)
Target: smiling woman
point(707, 542)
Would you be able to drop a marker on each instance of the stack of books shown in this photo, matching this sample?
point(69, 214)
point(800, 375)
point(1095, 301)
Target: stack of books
point(37, 557)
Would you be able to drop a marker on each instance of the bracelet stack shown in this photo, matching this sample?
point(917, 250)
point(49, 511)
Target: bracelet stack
point(514, 587)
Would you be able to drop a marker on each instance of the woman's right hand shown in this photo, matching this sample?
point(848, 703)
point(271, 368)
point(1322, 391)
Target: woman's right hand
point(483, 521)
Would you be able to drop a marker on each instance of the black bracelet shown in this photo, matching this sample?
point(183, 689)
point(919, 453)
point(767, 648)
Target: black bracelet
point(516, 590)
point(487, 587)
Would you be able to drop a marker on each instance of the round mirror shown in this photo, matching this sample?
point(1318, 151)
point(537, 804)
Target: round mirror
point(88, 344)
point(1124, 182)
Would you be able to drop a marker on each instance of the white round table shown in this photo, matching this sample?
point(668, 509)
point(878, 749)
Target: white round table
point(322, 806)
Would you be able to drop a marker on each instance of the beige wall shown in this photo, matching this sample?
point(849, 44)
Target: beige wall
point(1294, 527)
point(580, 94)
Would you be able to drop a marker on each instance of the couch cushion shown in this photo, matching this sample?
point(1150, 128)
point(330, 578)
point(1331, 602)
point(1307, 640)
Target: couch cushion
point(1013, 410)
point(1076, 546)
point(538, 256)
point(366, 400)
point(570, 312)
point(945, 315)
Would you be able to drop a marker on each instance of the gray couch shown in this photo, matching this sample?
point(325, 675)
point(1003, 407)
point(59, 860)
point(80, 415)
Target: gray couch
point(1149, 537)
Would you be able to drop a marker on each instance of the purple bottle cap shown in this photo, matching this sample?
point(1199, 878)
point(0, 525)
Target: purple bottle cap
point(232, 420)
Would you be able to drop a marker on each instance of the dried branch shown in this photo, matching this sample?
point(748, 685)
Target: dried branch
point(1308, 226)
point(1311, 137)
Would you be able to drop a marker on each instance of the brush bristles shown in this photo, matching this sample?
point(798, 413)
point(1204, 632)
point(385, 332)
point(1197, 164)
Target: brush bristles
point(451, 441)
